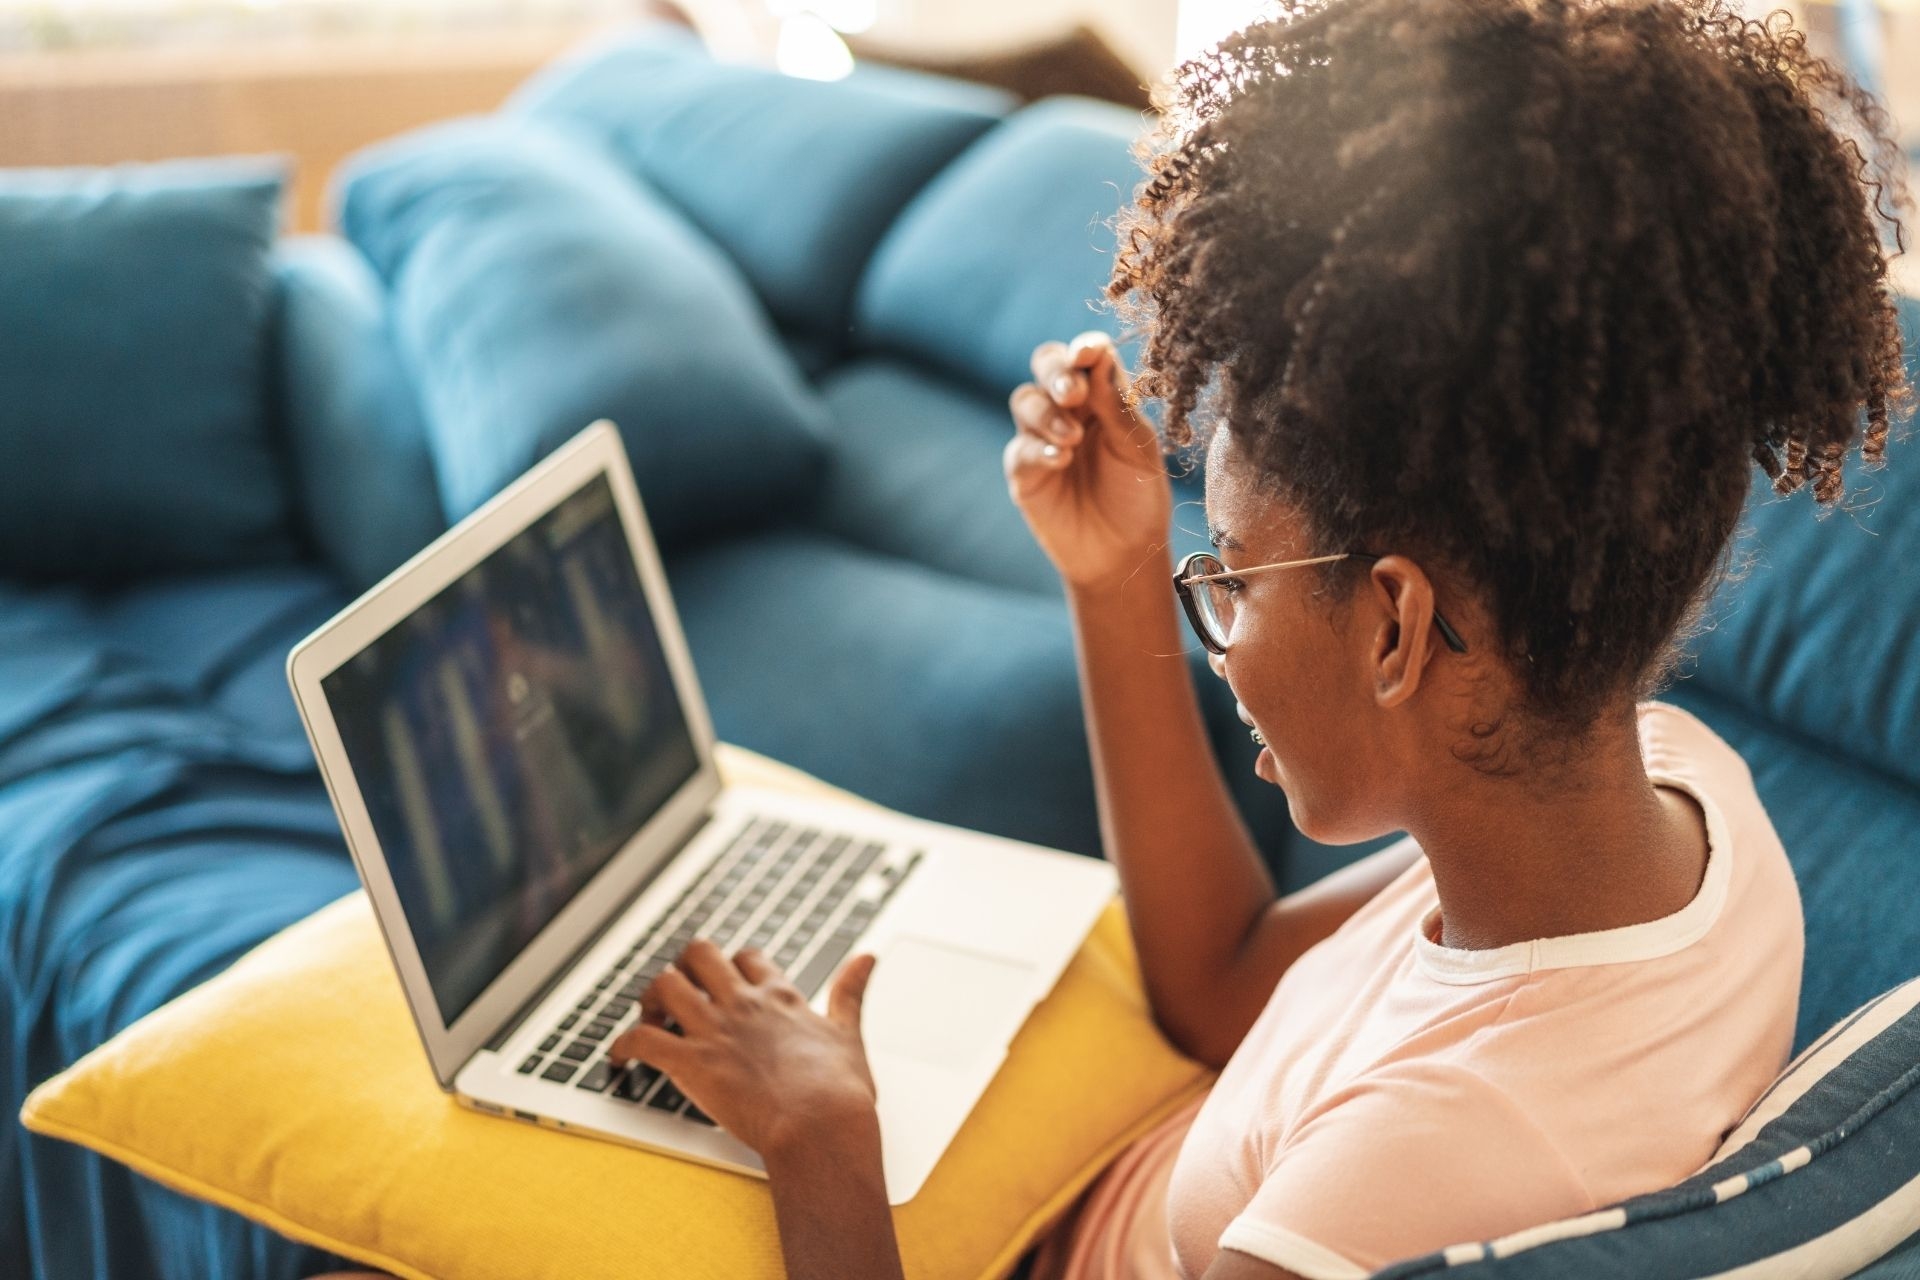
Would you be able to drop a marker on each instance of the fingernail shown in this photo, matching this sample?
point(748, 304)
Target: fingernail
point(1063, 385)
point(1050, 451)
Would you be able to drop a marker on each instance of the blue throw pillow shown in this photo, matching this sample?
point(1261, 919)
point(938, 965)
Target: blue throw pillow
point(1008, 247)
point(536, 287)
point(353, 417)
point(796, 179)
point(135, 427)
point(1820, 1179)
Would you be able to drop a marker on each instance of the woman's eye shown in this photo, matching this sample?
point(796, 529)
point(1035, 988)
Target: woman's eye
point(1231, 586)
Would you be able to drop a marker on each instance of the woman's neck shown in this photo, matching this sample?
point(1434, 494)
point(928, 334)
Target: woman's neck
point(1597, 846)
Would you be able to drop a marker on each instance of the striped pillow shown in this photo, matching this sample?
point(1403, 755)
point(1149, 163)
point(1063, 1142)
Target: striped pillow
point(1821, 1178)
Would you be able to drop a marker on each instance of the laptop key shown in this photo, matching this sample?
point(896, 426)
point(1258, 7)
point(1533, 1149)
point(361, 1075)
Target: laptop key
point(596, 1030)
point(636, 1080)
point(667, 1097)
point(560, 1072)
point(824, 961)
point(579, 1051)
point(550, 1044)
point(614, 1010)
point(527, 1068)
point(598, 1078)
point(694, 1113)
point(567, 1023)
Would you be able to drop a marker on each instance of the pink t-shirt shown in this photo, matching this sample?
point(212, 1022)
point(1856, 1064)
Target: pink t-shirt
point(1397, 1096)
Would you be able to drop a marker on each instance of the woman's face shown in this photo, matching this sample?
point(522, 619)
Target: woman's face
point(1298, 663)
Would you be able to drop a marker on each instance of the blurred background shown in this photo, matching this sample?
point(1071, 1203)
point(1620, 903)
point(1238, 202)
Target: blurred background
point(97, 81)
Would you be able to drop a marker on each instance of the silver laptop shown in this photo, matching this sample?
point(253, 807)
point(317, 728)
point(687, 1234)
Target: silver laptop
point(521, 759)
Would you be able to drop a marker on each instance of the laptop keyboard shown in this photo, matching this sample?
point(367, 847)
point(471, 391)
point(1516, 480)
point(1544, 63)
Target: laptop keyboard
point(794, 892)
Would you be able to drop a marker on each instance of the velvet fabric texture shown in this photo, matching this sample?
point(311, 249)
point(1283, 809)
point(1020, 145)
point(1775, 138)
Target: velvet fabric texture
point(136, 431)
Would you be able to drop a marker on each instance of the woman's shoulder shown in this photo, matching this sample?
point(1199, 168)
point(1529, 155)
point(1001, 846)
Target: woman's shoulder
point(1673, 737)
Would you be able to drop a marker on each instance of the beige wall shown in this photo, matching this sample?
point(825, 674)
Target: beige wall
point(318, 103)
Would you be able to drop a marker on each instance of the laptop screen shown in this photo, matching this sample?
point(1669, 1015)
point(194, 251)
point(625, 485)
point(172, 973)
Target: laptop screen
point(510, 735)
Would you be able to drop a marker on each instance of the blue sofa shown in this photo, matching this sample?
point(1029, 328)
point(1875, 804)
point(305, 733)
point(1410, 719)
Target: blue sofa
point(806, 304)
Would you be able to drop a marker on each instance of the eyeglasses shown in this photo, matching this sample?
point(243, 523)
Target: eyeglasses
point(1211, 608)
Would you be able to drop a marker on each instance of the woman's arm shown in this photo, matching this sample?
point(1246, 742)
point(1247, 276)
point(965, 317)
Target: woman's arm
point(830, 1199)
point(1192, 877)
point(1088, 475)
point(790, 1083)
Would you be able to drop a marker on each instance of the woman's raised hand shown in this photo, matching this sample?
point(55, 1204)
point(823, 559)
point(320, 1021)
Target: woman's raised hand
point(1085, 471)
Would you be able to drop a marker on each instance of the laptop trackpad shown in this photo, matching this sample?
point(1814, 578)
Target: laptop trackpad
point(941, 1005)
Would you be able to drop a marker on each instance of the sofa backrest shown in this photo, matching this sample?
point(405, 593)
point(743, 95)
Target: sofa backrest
point(795, 179)
point(1008, 247)
point(1813, 632)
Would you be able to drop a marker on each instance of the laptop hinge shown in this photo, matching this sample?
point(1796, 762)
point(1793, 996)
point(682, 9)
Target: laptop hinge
point(560, 972)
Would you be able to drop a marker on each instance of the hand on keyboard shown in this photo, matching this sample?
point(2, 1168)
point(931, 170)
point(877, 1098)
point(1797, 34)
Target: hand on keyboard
point(750, 1052)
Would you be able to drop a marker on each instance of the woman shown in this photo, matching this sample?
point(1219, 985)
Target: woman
point(1482, 311)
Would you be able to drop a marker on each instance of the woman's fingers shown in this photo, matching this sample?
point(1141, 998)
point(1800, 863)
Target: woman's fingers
point(652, 1011)
point(707, 965)
point(753, 963)
point(1049, 366)
point(1033, 411)
point(1071, 373)
point(850, 991)
point(1031, 462)
point(650, 1044)
point(685, 1003)
point(1128, 435)
point(1086, 381)
point(1095, 358)
point(1065, 371)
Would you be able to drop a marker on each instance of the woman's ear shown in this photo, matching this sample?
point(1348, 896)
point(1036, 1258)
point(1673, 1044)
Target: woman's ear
point(1404, 639)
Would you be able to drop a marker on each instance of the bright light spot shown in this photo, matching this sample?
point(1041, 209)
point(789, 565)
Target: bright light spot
point(1202, 23)
point(811, 49)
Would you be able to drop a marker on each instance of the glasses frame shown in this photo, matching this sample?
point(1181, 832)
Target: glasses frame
point(1184, 577)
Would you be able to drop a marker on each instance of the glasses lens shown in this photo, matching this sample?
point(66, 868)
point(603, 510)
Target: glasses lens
point(1211, 599)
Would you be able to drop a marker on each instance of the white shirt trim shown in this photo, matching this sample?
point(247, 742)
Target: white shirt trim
point(1648, 941)
point(1288, 1250)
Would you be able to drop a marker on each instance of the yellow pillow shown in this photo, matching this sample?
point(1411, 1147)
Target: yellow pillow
point(293, 1089)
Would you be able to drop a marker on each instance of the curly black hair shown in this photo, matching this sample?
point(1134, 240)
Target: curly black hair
point(1525, 287)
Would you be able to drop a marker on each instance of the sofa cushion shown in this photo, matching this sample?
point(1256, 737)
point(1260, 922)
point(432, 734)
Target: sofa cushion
point(1852, 833)
point(903, 665)
point(241, 1090)
point(915, 472)
point(1010, 246)
point(1818, 635)
point(137, 303)
point(1821, 1178)
point(795, 179)
point(366, 482)
point(535, 288)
